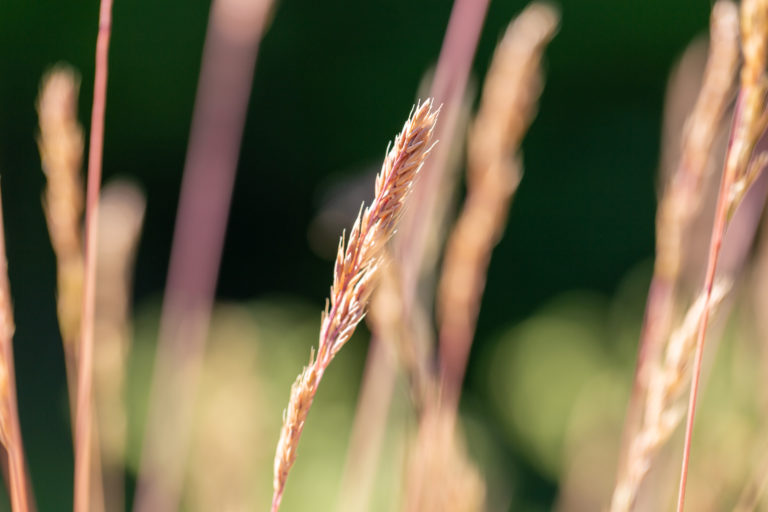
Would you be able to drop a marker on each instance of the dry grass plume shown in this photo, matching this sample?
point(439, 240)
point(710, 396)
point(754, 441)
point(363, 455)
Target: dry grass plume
point(507, 107)
point(662, 410)
point(60, 143)
point(357, 264)
point(61, 153)
point(678, 208)
point(741, 170)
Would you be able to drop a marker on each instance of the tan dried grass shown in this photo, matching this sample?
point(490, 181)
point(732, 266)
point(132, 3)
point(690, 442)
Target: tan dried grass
point(508, 105)
point(678, 209)
point(60, 143)
point(741, 170)
point(663, 410)
point(356, 269)
point(683, 195)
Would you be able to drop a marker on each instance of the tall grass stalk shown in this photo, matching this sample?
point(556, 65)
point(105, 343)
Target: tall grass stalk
point(232, 40)
point(741, 170)
point(355, 272)
point(508, 104)
point(680, 203)
point(682, 198)
point(84, 413)
point(60, 143)
point(662, 412)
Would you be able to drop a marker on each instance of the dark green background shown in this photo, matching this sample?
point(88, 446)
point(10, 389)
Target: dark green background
point(334, 81)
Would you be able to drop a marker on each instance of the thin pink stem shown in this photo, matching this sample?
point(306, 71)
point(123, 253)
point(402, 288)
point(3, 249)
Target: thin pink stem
point(229, 57)
point(714, 252)
point(84, 413)
point(448, 88)
point(718, 230)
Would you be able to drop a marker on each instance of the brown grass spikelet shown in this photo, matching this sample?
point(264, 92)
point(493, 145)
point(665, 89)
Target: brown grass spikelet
point(752, 119)
point(302, 393)
point(512, 88)
point(682, 198)
point(355, 271)
point(60, 143)
point(508, 104)
point(662, 410)
point(357, 260)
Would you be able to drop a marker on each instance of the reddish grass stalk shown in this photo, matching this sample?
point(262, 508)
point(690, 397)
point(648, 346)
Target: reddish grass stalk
point(10, 430)
point(448, 87)
point(739, 173)
point(682, 198)
point(84, 413)
point(714, 251)
point(678, 208)
point(226, 75)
